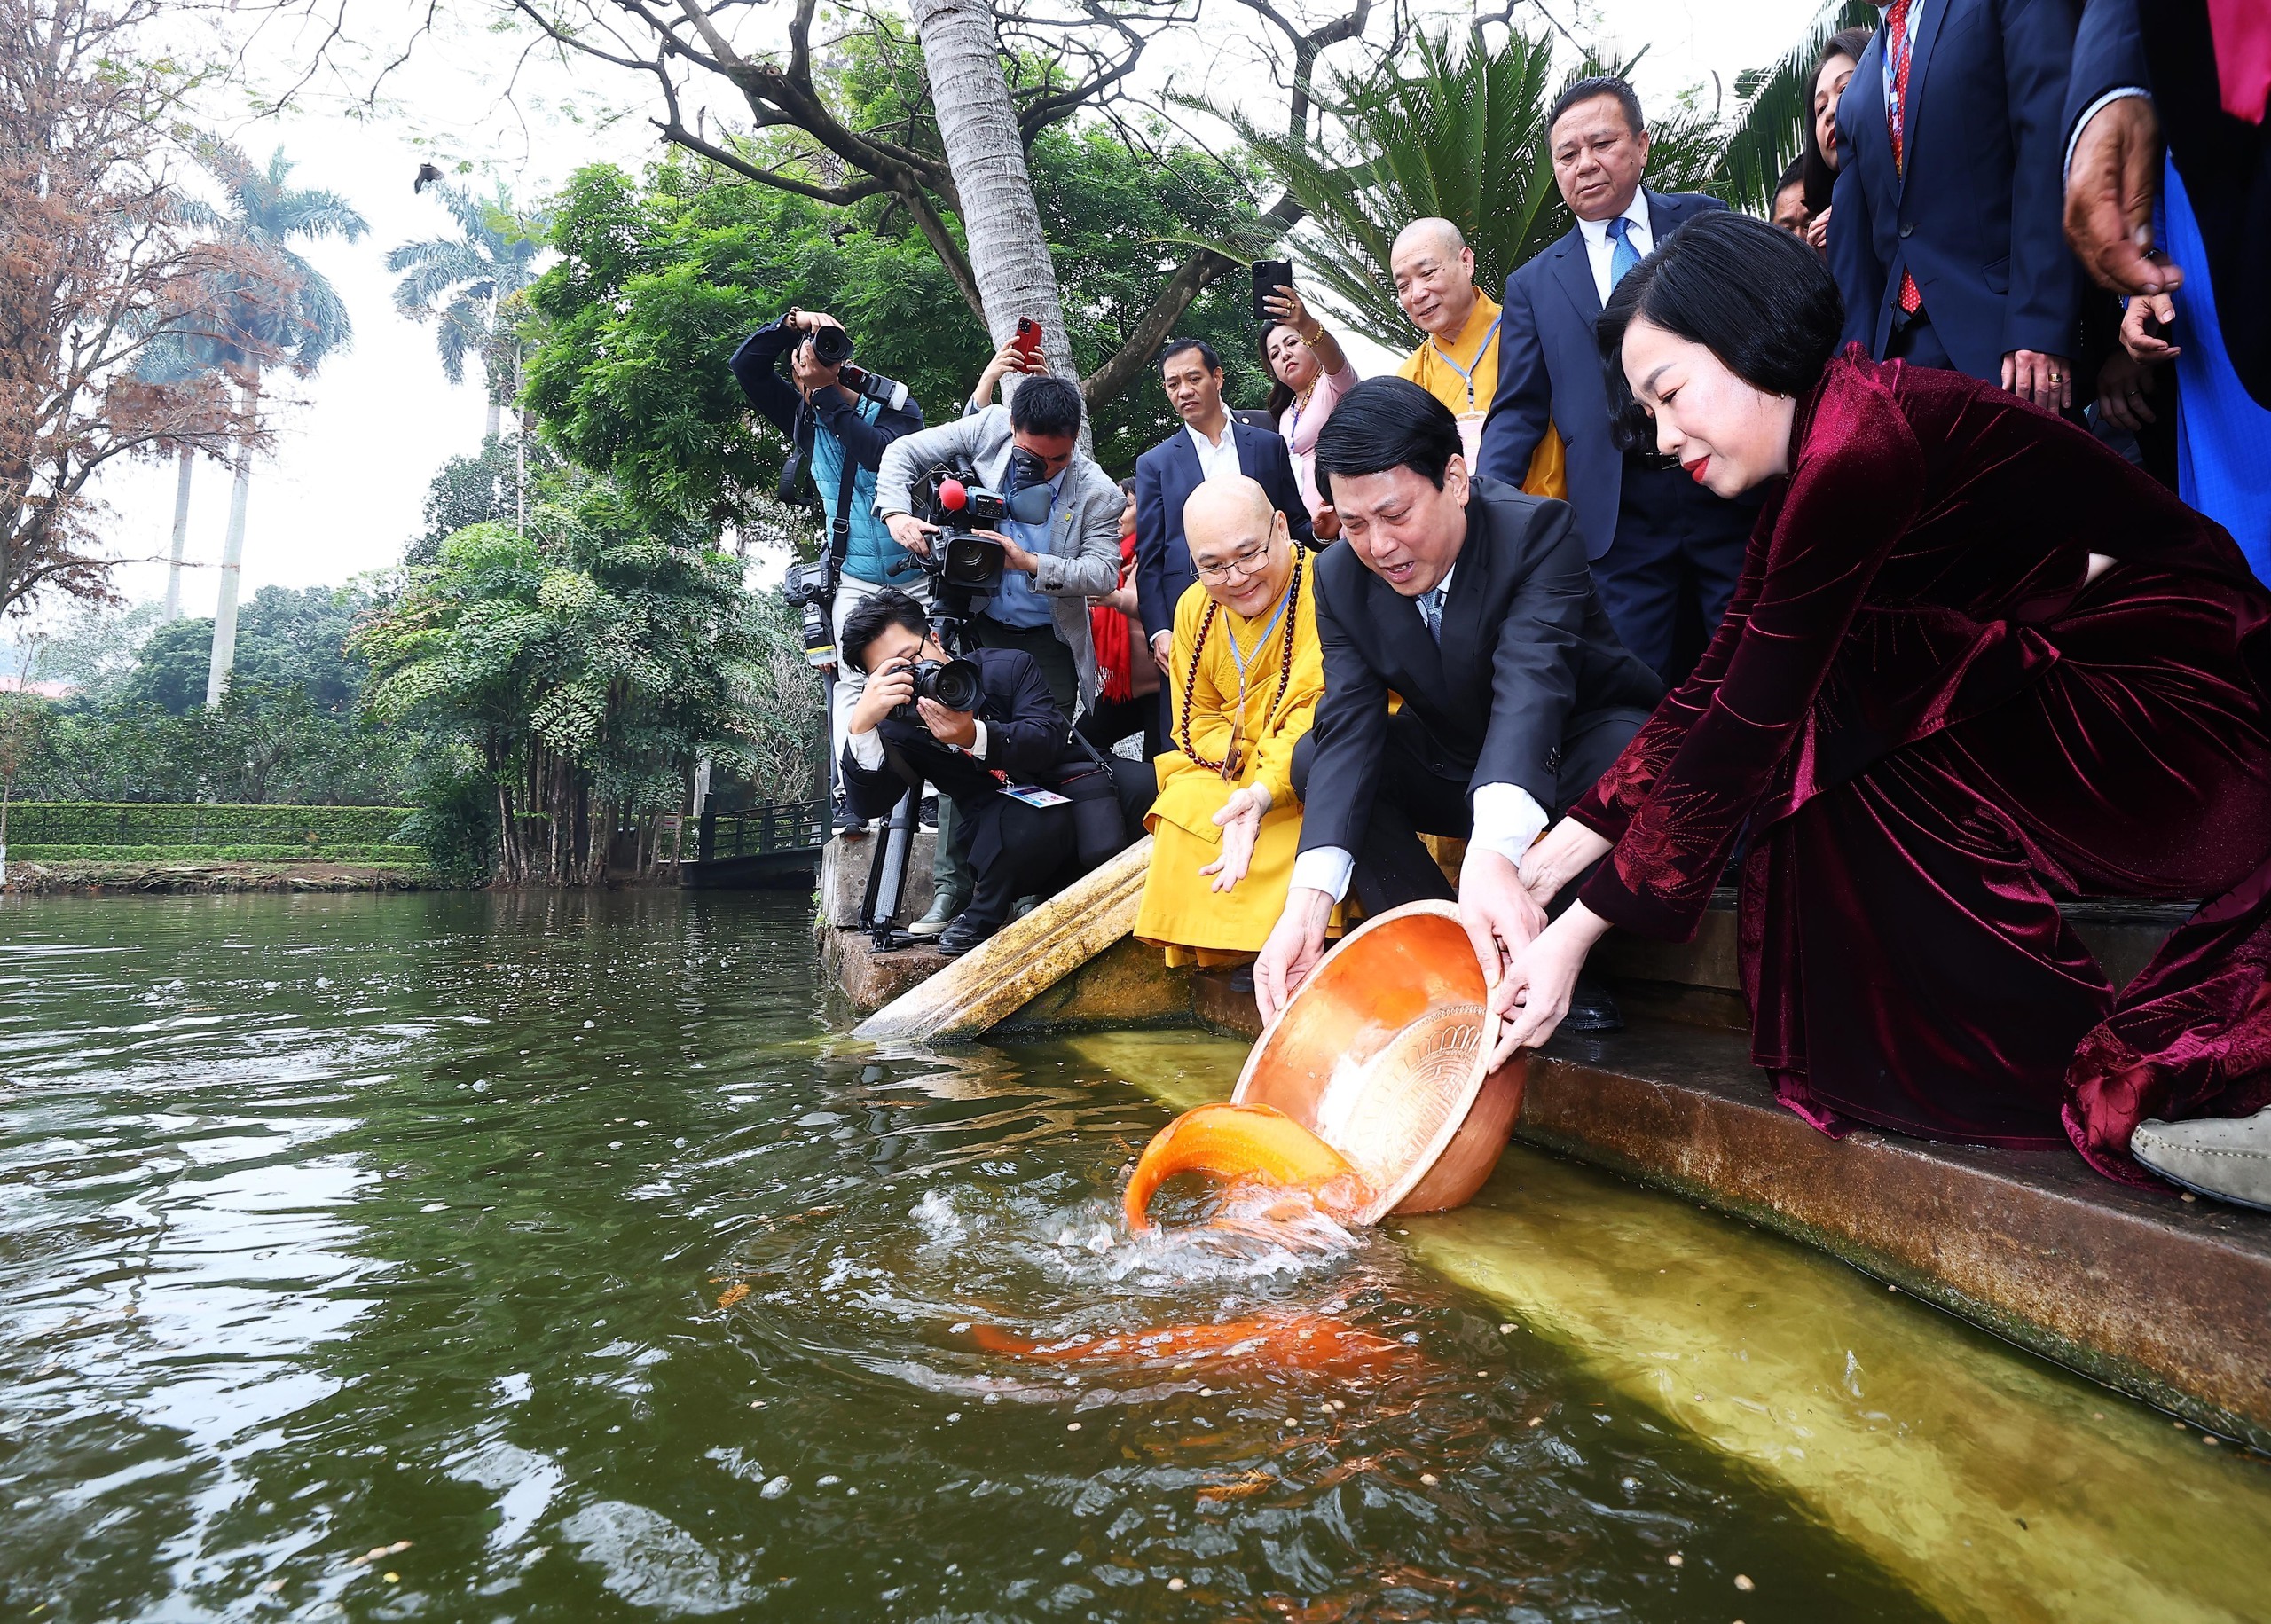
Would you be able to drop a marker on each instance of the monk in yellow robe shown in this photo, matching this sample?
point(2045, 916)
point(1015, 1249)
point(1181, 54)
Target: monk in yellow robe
point(1246, 672)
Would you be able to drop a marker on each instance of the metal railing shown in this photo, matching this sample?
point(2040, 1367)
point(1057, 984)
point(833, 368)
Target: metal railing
point(776, 828)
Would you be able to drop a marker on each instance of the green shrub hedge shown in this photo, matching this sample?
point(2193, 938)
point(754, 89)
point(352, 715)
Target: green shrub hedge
point(386, 855)
point(310, 831)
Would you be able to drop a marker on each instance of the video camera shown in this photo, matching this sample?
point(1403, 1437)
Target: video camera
point(962, 562)
point(832, 347)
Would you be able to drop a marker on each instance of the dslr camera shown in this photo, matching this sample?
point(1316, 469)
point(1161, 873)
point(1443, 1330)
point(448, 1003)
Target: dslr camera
point(810, 589)
point(952, 498)
point(832, 347)
point(952, 683)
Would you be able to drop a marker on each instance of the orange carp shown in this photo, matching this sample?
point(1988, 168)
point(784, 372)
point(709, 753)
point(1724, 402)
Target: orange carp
point(1256, 1144)
point(1303, 1341)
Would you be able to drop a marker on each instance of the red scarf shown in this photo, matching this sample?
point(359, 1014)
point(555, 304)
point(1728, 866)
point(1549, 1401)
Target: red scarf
point(1108, 630)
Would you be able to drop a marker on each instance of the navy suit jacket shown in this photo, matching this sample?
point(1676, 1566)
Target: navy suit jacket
point(1165, 477)
point(1550, 376)
point(1977, 214)
point(2169, 50)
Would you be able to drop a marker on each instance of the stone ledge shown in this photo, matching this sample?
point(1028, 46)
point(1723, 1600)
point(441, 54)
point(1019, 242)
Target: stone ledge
point(2165, 1299)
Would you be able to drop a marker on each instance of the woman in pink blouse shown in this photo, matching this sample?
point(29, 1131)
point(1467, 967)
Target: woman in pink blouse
point(1309, 373)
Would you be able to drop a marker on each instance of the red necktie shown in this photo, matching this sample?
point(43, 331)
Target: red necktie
point(1896, 117)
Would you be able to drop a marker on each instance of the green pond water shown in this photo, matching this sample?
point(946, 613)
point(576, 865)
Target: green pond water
point(364, 1256)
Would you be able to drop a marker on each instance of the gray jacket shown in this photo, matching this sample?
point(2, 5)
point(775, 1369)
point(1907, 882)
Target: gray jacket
point(1083, 557)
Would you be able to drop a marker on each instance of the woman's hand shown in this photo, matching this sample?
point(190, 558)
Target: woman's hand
point(1284, 305)
point(1534, 994)
point(1818, 232)
point(1560, 855)
point(1240, 821)
point(1007, 360)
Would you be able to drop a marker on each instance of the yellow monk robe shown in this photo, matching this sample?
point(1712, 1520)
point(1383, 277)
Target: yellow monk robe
point(1476, 349)
point(1180, 909)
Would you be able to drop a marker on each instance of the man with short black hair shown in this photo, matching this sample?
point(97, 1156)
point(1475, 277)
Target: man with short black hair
point(1209, 445)
point(1664, 551)
point(1015, 738)
point(1050, 570)
point(1472, 602)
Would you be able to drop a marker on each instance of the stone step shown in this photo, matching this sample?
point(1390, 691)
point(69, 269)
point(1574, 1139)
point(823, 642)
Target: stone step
point(2162, 1297)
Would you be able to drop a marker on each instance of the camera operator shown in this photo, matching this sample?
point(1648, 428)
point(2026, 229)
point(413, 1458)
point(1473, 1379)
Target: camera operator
point(1050, 570)
point(899, 736)
point(839, 436)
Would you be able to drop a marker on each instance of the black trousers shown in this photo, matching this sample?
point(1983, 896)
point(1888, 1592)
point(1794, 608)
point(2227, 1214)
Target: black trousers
point(1108, 721)
point(1668, 576)
point(1408, 800)
point(1014, 849)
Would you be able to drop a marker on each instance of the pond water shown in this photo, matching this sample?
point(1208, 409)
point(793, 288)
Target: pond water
point(550, 1258)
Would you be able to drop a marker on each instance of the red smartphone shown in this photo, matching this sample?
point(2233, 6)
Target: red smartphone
point(1028, 338)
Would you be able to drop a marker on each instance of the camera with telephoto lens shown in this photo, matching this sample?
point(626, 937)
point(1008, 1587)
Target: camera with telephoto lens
point(832, 347)
point(810, 589)
point(962, 561)
point(952, 683)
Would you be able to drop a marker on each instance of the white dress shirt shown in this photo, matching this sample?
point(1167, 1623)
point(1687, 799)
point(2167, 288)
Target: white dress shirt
point(1598, 248)
point(1217, 458)
point(1507, 817)
point(867, 748)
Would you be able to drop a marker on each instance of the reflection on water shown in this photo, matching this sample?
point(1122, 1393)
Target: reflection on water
point(546, 1259)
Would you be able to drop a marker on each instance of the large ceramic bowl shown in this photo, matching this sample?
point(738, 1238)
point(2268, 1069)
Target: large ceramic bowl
point(1381, 1053)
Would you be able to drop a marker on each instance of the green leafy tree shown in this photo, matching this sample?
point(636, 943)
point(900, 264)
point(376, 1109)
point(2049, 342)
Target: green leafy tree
point(658, 282)
point(465, 285)
point(486, 488)
point(282, 310)
point(587, 665)
point(1457, 129)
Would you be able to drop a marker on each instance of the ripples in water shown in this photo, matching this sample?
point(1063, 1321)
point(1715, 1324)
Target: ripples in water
point(558, 1239)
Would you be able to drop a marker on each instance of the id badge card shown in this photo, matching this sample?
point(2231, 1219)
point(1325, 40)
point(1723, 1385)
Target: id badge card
point(1033, 795)
point(1470, 436)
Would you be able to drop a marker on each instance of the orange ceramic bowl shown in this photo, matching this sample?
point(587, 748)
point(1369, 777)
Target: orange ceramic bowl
point(1381, 1053)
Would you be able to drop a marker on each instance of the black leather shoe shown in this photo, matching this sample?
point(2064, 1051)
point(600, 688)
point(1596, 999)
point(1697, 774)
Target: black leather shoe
point(1591, 1010)
point(964, 934)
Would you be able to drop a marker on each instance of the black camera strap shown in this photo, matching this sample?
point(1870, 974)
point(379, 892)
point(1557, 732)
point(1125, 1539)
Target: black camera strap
point(800, 460)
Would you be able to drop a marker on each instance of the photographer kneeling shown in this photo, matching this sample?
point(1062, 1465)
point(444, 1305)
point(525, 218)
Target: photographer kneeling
point(839, 434)
point(1050, 569)
point(1035, 809)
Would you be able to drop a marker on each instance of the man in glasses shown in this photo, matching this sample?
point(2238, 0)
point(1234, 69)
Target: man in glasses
point(1246, 673)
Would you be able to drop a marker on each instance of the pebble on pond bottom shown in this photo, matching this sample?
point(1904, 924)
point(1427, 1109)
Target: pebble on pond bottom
point(1429, 1479)
point(1742, 1582)
point(1175, 1584)
point(1071, 1426)
point(1674, 1560)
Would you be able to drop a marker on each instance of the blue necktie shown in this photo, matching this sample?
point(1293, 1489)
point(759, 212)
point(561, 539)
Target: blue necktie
point(1431, 610)
point(1623, 257)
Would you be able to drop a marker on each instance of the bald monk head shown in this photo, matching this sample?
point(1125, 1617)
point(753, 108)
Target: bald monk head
point(1435, 276)
point(1239, 544)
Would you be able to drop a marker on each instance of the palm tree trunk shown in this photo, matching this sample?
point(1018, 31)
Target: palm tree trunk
point(985, 149)
point(181, 537)
point(496, 416)
point(233, 559)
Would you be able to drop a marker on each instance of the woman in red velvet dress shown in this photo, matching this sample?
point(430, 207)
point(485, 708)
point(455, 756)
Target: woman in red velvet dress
point(1977, 662)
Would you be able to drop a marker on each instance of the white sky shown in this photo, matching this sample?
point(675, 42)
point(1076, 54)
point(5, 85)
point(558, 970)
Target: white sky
point(344, 487)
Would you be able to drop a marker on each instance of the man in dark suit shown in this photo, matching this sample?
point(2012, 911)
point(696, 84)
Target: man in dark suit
point(2140, 72)
point(1015, 737)
point(1665, 552)
point(1210, 442)
point(1472, 601)
point(1943, 225)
